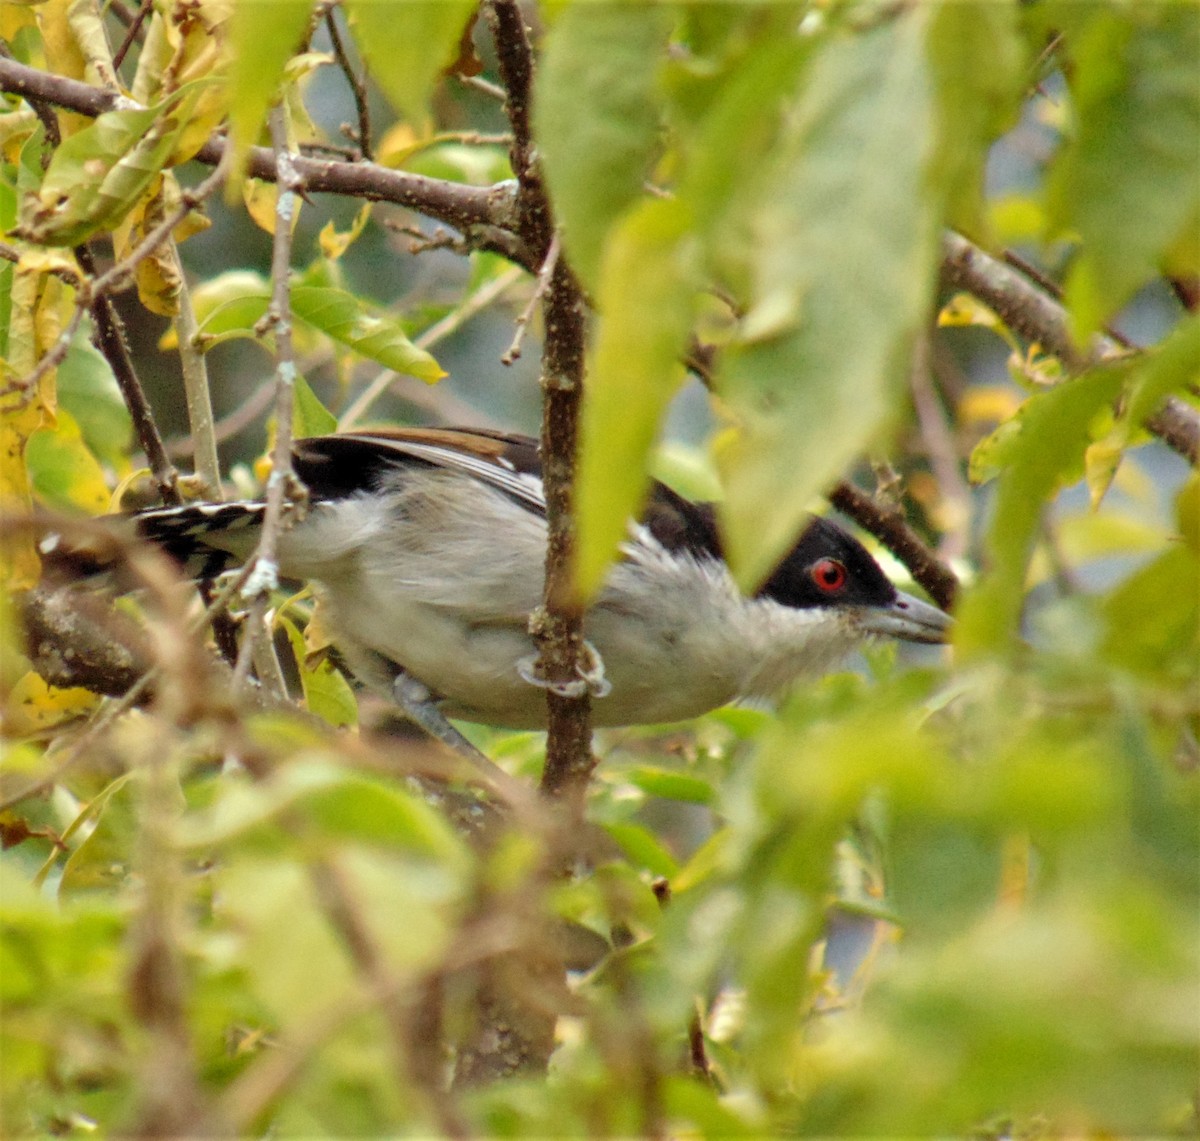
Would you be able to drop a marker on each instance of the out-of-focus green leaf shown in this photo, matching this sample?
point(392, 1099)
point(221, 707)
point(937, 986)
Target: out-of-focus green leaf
point(342, 804)
point(1171, 367)
point(596, 115)
point(1008, 1016)
point(643, 848)
point(1055, 429)
point(264, 34)
point(672, 785)
point(645, 296)
point(1126, 182)
point(104, 857)
point(975, 58)
point(352, 322)
point(408, 46)
point(1168, 368)
point(1154, 617)
point(279, 911)
point(842, 269)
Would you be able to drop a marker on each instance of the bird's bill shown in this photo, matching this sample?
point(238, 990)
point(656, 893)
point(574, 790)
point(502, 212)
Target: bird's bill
point(908, 618)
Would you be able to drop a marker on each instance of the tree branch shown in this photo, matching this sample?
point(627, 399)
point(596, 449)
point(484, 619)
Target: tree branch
point(1032, 313)
point(110, 340)
point(487, 214)
point(283, 488)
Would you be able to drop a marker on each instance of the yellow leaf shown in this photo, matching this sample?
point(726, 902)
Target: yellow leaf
point(987, 404)
point(157, 275)
point(63, 470)
point(87, 30)
point(33, 706)
point(336, 242)
point(61, 48)
point(963, 309)
point(261, 199)
point(33, 327)
point(1100, 462)
point(15, 129)
point(399, 143)
point(1187, 510)
point(15, 18)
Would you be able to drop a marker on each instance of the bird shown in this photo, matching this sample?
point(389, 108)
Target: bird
point(427, 545)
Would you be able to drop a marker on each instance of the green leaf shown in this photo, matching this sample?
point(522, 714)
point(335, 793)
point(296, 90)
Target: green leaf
point(408, 46)
point(670, 785)
point(97, 174)
point(842, 267)
point(88, 390)
point(353, 323)
point(596, 117)
point(976, 60)
point(343, 805)
point(1170, 367)
point(643, 848)
point(64, 472)
point(234, 303)
point(1164, 638)
point(1055, 430)
point(103, 858)
point(1127, 180)
point(327, 694)
point(310, 416)
point(264, 34)
point(645, 296)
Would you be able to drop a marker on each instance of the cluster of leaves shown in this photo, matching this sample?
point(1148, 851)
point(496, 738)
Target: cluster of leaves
point(936, 900)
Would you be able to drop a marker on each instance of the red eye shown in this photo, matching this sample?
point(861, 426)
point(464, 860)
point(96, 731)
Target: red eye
point(828, 574)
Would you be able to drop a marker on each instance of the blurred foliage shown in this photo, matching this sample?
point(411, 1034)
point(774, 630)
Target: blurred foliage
point(954, 897)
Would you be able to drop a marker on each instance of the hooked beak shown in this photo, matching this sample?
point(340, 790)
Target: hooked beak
point(907, 618)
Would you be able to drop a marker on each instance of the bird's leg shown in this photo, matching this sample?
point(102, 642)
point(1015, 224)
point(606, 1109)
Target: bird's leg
point(590, 677)
point(418, 703)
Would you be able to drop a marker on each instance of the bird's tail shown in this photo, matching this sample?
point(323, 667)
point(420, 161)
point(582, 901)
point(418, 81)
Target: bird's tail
point(205, 539)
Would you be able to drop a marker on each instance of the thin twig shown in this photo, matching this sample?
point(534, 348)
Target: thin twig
point(888, 525)
point(484, 86)
point(436, 333)
point(134, 33)
point(357, 87)
point(110, 340)
point(281, 484)
point(539, 291)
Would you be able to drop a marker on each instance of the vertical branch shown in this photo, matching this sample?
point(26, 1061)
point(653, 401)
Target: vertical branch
point(281, 484)
point(558, 625)
point(170, 1099)
point(195, 386)
point(343, 914)
point(358, 87)
point(110, 340)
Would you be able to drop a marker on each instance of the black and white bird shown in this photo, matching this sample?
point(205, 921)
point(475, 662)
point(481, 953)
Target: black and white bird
point(428, 545)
